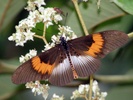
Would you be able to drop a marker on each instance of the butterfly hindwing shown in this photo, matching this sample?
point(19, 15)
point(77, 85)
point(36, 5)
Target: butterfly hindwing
point(62, 73)
point(85, 65)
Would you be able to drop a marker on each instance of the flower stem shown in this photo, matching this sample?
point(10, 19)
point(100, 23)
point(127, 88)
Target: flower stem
point(43, 36)
point(8, 4)
point(75, 2)
point(44, 30)
point(90, 89)
point(130, 35)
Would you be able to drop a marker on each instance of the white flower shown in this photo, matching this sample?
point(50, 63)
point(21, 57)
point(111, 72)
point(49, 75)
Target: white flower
point(47, 14)
point(85, 0)
point(103, 95)
point(22, 59)
point(48, 46)
point(95, 87)
point(56, 97)
point(33, 53)
point(83, 92)
point(48, 24)
point(19, 36)
point(20, 43)
point(22, 35)
point(38, 88)
point(28, 35)
point(27, 56)
point(31, 6)
point(12, 37)
point(55, 39)
point(66, 32)
point(39, 3)
point(34, 17)
point(57, 18)
point(75, 95)
point(83, 89)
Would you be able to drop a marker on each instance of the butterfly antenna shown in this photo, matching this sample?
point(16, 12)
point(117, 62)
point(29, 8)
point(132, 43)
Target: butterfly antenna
point(66, 18)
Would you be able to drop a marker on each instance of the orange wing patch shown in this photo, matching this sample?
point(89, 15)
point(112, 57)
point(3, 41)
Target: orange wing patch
point(41, 67)
point(96, 46)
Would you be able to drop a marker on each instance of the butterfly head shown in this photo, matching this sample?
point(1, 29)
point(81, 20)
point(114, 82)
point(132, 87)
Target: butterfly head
point(62, 39)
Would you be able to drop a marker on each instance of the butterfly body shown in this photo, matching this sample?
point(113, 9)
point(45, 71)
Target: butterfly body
point(70, 59)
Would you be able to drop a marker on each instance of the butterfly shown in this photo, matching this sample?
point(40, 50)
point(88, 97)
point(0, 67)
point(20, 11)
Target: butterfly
point(70, 59)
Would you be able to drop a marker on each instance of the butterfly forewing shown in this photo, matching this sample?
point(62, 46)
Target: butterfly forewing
point(25, 73)
point(112, 40)
point(39, 67)
point(99, 44)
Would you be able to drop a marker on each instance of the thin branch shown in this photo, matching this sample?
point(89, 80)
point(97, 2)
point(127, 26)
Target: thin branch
point(114, 78)
point(75, 2)
point(130, 35)
point(5, 12)
point(44, 30)
point(41, 37)
point(90, 89)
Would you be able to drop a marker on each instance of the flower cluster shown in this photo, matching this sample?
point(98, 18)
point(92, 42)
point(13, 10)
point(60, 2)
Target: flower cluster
point(56, 97)
point(29, 55)
point(85, 0)
point(38, 88)
point(83, 91)
point(37, 13)
point(64, 31)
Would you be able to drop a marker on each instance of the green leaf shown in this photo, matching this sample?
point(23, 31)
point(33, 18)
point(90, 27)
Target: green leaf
point(121, 93)
point(92, 17)
point(123, 23)
point(8, 12)
point(126, 5)
point(7, 88)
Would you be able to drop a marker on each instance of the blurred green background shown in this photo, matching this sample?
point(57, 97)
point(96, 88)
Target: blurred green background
point(115, 75)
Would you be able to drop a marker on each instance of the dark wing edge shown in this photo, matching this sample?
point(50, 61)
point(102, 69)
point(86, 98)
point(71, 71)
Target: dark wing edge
point(113, 40)
point(37, 68)
point(100, 44)
point(25, 73)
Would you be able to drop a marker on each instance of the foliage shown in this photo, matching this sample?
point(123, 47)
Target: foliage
point(116, 15)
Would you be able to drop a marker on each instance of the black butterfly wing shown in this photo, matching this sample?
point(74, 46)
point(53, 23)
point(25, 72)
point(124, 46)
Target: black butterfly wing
point(37, 68)
point(51, 64)
point(112, 40)
point(99, 44)
point(25, 73)
point(86, 51)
